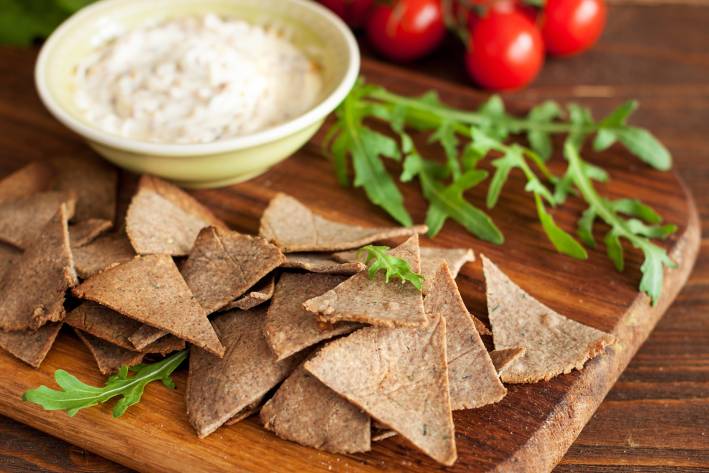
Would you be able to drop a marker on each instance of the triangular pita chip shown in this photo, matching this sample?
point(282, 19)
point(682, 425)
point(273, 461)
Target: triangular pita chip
point(151, 290)
point(162, 219)
point(93, 180)
point(33, 290)
point(22, 220)
point(472, 378)
point(145, 335)
point(86, 231)
point(115, 328)
point(294, 227)
point(399, 377)
point(109, 357)
point(431, 259)
point(246, 412)
point(102, 253)
point(257, 295)
point(30, 346)
point(504, 358)
point(31, 179)
point(321, 263)
point(372, 301)
point(289, 327)
point(223, 265)
point(306, 411)
point(218, 389)
point(553, 343)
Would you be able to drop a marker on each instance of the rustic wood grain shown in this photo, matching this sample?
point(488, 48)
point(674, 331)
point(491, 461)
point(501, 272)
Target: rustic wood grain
point(656, 416)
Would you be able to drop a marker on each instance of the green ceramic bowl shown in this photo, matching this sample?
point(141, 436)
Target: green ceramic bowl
point(318, 32)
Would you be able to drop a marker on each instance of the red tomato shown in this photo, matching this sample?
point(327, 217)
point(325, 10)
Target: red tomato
point(407, 29)
point(353, 12)
point(505, 51)
point(572, 26)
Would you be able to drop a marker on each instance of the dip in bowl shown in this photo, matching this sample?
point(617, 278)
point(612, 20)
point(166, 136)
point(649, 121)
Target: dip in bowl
point(188, 116)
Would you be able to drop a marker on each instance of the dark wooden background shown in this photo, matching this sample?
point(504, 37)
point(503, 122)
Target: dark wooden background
point(656, 418)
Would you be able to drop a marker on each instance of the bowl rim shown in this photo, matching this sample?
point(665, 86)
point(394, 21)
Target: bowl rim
point(268, 135)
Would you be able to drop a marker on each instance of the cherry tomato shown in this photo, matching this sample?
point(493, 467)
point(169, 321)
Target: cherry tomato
point(464, 14)
point(353, 12)
point(407, 29)
point(505, 51)
point(572, 26)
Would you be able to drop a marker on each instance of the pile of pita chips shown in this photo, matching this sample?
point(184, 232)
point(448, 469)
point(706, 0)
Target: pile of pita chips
point(287, 324)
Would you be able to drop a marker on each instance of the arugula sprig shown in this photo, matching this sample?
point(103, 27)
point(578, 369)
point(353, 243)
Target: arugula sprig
point(76, 395)
point(470, 137)
point(378, 259)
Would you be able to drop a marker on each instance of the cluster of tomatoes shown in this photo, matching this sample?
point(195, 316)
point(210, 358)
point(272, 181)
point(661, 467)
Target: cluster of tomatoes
point(506, 40)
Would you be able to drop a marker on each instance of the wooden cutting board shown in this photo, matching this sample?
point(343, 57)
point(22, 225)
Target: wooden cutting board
point(529, 430)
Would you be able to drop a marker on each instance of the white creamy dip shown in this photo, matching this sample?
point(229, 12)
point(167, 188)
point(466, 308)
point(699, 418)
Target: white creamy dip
point(196, 80)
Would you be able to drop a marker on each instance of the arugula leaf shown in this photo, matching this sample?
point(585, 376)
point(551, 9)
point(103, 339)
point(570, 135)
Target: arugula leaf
point(76, 395)
point(642, 144)
point(539, 139)
point(378, 258)
point(562, 241)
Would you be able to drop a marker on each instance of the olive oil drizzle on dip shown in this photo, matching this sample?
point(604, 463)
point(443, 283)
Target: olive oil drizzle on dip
point(196, 80)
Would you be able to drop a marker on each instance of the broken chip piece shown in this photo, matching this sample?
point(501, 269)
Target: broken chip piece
point(372, 301)
point(257, 295)
point(163, 219)
point(399, 377)
point(151, 290)
point(294, 227)
point(553, 343)
point(219, 389)
point(306, 411)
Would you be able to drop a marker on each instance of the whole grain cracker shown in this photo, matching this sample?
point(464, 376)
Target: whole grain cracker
point(553, 343)
point(162, 219)
point(306, 411)
point(33, 289)
point(30, 179)
point(218, 389)
point(31, 346)
point(22, 220)
point(399, 377)
point(223, 265)
point(472, 377)
point(92, 179)
point(102, 253)
point(372, 301)
point(321, 263)
point(151, 290)
point(289, 328)
point(294, 227)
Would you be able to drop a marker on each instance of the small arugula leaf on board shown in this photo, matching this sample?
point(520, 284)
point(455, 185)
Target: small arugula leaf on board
point(585, 227)
point(614, 249)
point(645, 146)
point(76, 395)
point(503, 165)
point(539, 139)
point(656, 259)
point(446, 136)
point(562, 241)
point(636, 208)
point(378, 259)
point(494, 121)
point(581, 124)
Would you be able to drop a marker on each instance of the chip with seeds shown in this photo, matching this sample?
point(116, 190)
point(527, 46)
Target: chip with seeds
point(109, 357)
point(306, 411)
point(289, 327)
point(294, 227)
point(92, 179)
point(373, 301)
point(22, 220)
point(30, 346)
point(86, 231)
point(151, 290)
point(219, 389)
point(33, 289)
point(399, 377)
point(472, 377)
point(104, 252)
point(321, 263)
point(31, 179)
point(163, 219)
point(223, 265)
point(553, 343)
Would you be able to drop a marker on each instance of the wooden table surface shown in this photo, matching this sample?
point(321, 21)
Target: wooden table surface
point(656, 418)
